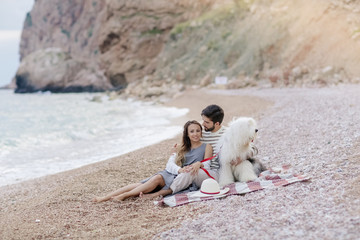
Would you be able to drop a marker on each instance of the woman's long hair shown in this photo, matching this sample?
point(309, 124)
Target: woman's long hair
point(186, 143)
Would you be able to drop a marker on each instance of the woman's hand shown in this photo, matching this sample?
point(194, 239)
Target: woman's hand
point(194, 168)
point(184, 169)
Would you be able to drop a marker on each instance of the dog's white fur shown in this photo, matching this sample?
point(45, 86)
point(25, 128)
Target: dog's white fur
point(236, 143)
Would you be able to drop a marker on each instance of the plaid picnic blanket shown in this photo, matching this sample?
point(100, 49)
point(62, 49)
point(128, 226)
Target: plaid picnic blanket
point(274, 177)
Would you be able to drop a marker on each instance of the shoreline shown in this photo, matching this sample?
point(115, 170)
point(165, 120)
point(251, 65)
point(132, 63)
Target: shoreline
point(185, 100)
point(59, 206)
point(87, 132)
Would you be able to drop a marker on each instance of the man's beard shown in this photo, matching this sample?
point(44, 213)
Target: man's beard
point(209, 129)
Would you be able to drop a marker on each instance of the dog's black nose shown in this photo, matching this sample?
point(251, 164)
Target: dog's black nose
point(256, 130)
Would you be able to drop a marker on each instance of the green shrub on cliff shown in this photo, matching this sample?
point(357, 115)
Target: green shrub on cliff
point(204, 45)
point(28, 20)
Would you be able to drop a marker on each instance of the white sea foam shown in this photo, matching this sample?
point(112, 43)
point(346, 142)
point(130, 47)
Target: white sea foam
point(43, 134)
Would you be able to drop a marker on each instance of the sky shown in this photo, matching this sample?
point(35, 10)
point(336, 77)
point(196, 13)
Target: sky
point(12, 16)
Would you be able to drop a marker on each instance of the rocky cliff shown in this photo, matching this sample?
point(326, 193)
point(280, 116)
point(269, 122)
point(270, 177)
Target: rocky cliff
point(108, 43)
point(152, 47)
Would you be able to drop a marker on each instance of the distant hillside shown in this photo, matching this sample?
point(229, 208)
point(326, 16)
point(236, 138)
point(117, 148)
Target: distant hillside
point(152, 47)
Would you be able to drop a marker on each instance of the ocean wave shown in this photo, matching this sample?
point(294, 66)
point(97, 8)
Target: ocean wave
point(49, 133)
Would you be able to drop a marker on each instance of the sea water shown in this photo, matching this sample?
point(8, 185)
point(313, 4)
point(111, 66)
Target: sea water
point(46, 133)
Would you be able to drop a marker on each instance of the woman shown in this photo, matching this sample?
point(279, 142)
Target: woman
point(189, 158)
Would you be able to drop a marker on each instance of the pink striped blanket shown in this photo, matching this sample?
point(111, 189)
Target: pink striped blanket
point(274, 177)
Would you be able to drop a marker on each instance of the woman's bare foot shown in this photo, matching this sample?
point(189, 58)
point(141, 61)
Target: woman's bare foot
point(141, 195)
point(99, 199)
point(145, 196)
point(150, 196)
point(119, 198)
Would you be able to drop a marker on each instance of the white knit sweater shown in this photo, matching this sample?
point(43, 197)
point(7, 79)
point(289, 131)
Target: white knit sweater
point(207, 137)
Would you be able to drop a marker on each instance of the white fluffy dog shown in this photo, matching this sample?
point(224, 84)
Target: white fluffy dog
point(236, 151)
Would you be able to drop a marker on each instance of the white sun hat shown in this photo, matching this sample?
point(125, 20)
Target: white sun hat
point(210, 187)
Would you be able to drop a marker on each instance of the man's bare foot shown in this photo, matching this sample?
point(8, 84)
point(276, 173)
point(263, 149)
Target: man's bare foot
point(160, 197)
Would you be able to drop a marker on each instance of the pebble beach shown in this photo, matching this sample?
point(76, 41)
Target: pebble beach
point(314, 130)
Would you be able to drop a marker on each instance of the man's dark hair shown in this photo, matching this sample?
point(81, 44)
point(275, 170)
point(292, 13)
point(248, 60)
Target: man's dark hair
point(214, 113)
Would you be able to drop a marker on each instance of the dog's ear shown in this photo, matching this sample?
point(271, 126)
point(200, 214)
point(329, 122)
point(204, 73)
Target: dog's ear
point(250, 122)
point(233, 120)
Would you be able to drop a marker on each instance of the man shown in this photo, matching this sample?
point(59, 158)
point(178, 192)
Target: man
point(212, 117)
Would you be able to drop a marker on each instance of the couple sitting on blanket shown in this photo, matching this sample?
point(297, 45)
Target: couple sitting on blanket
point(186, 167)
